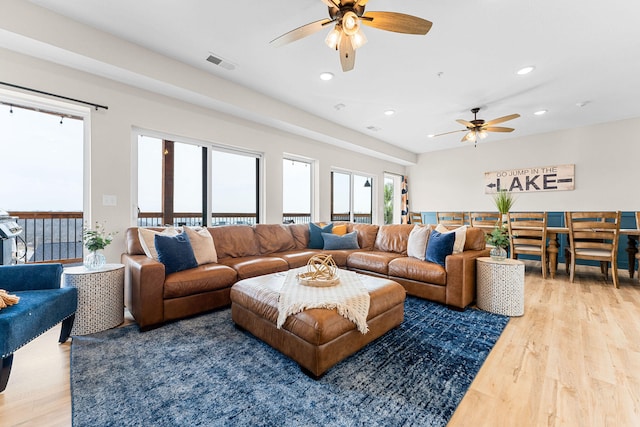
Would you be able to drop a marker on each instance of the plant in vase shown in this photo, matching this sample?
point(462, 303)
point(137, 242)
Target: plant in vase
point(95, 240)
point(499, 239)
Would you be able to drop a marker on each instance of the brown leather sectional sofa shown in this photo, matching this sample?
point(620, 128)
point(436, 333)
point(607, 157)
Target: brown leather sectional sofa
point(248, 251)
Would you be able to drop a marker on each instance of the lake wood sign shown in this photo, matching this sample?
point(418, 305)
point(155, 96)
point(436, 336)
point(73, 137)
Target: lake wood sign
point(547, 178)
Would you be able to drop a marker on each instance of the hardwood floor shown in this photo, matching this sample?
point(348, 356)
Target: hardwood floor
point(573, 359)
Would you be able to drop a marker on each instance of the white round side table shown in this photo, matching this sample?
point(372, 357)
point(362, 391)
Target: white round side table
point(100, 297)
point(500, 286)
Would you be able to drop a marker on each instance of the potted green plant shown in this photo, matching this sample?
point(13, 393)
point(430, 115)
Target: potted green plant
point(499, 239)
point(499, 236)
point(95, 240)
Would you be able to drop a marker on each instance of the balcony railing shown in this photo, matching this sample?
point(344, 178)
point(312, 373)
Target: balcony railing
point(358, 218)
point(49, 237)
point(57, 236)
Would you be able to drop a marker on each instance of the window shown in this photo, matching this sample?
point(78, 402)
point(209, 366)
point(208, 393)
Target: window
point(43, 166)
point(392, 198)
point(296, 191)
point(172, 188)
point(351, 197)
point(234, 188)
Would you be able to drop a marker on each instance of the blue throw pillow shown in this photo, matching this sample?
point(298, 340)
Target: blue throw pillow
point(439, 246)
point(315, 235)
point(175, 252)
point(346, 241)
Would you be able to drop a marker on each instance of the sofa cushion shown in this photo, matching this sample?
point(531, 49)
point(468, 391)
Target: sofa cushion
point(366, 234)
point(234, 241)
point(339, 255)
point(147, 239)
point(334, 241)
point(300, 233)
point(296, 258)
point(440, 246)
point(175, 252)
point(204, 278)
point(417, 242)
point(460, 233)
point(393, 238)
point(339, 229)
point(374, 261)
point(255, 265)
point(274, 238)
point(475, 239)
point(202, 244)
point(414, 269)
point(315, 235)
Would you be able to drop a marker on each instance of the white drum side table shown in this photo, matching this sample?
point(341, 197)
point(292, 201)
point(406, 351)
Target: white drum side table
point(100, 297)
point(500, 286)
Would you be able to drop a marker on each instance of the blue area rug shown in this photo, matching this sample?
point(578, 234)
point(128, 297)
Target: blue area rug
point(204, 371)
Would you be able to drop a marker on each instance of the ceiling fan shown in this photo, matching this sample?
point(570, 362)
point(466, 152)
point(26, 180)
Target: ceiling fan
point(346, 35)
point(478, 128)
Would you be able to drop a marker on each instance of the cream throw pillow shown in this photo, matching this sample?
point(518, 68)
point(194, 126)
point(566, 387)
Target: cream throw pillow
point(417, 243)
point(461, 236)
point(202, 244)
point(147, 240)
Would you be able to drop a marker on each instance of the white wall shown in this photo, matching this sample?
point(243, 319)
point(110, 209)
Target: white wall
point(112, 169)
point(606, 159)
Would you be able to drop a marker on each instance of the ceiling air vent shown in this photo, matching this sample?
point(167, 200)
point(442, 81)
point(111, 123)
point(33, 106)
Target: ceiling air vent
point(221, 62)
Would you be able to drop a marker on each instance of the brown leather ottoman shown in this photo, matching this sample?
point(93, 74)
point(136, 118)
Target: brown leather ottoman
point(317, 338)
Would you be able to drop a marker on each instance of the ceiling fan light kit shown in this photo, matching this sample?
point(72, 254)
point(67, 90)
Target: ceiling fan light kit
point(347, 36)
point(477, 128)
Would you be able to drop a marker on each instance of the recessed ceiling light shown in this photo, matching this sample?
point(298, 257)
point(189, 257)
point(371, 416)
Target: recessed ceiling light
point(540, 112)
point(525, 70)
point(389, 112)
point(326, 76)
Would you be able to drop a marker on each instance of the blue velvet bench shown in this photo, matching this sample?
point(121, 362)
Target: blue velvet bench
point(43, 304)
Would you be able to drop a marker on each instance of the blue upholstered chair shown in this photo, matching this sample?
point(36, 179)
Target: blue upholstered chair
point(43, 304)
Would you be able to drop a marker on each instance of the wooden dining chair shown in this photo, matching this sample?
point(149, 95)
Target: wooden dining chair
point(415, 217)
point(451, 219)
point(594, 236)
point(485, 220)
point(528, 236)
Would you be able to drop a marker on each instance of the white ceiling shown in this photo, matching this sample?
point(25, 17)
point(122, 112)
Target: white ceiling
point(583, 51)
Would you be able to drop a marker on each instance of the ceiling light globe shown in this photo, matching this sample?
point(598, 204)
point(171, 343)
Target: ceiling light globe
point(333, 38)
point(358, 39)
point(350, 23)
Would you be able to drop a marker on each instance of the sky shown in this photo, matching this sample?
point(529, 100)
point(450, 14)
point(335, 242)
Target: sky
point(41, 161)
point(43, 171)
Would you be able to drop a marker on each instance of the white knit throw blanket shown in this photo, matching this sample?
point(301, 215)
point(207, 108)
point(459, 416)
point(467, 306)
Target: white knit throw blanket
point(350, 298)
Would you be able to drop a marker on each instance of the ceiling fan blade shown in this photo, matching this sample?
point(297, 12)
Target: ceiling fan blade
point(502, 119)
point(397, 22)
point(465, 123)
point(331, 3)
point(347, 53)
point(300, 32)
point(362, 2)
point(497, 129)
point(453, 131)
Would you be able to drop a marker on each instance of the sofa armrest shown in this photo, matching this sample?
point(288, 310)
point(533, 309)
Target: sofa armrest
point(144, 289)
point(461, 277)
point(30, 277)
